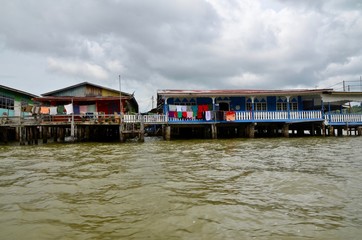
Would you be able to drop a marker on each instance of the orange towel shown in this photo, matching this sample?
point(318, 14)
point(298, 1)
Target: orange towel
point(44, 110)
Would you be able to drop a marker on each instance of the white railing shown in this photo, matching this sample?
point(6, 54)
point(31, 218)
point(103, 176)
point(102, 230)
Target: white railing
point(145, 118)
point(270, 115)
point(132, 118)
point(306, 115)
point(279, 115)
point(155, 118)
point(344, 118)
point(242, 116)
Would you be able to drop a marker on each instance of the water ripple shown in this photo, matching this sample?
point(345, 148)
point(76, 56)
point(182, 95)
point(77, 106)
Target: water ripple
point(225, 189)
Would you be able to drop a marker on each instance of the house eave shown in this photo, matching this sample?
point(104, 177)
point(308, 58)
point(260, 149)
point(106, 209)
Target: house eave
point(234, 93)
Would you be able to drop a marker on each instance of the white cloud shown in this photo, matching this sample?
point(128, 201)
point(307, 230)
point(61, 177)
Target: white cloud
point(82, 70)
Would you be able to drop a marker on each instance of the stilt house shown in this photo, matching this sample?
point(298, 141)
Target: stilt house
point(14, 102)
point(263, 112)
point(87, 100)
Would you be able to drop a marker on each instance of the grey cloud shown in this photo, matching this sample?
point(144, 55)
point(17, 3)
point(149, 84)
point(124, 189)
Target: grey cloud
point(188, 43)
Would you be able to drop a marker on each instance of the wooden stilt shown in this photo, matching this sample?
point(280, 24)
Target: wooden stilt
point(142, 131)
point(250, 130)
point(4, 131)
point(167, 133)
point(331, 131)
point(22, 133)
point(285, 130)
point(213, 131)
point(45, 134)
point(121, 133)
point(36, 135)
point(359, 130)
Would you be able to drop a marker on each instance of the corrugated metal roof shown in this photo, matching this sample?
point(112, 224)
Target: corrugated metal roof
point(78, 99)
point(18, 91)
point(239, 92)
point(79, 85)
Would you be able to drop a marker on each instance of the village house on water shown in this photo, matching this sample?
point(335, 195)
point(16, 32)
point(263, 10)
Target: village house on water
point(89, 112)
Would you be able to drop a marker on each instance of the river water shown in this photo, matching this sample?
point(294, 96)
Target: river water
point(296, 188)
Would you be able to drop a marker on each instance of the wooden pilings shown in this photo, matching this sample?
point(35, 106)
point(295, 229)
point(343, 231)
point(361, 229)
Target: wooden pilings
point(252, 130)
point(42, 134)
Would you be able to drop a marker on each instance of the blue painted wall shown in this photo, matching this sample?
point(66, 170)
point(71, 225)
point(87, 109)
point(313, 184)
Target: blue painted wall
point(271, 103)
point(234, 102)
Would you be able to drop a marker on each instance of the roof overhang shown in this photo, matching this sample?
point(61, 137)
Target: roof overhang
point(18, 91)
point(79, 85)
point(237, 93)
point(78, 99)
point(342, 97)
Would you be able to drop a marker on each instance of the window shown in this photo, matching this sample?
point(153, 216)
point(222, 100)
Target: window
point(293, 103)
point(282, 104)
point(6, 102)
point(260, 104)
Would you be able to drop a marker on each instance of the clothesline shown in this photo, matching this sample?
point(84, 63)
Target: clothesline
point(60, 109)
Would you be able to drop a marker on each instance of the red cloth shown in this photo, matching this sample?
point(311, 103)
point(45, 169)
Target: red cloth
point(230, 116)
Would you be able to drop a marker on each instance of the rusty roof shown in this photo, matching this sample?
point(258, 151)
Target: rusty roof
point(240, 92)
point(78, 99)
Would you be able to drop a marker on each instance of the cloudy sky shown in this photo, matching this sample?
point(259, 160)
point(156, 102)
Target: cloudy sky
point(179, 44)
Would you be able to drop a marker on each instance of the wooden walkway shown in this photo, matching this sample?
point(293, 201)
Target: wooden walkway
point(28, 129)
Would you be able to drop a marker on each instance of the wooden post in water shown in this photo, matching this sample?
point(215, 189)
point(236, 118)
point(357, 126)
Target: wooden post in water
point(323, 127)
point(17, 134)
point(213, 131)
point(340, 131)
point(285, 130)
point(22, 133)
point(300, 131)
point(79, 133)
point(55, 134)
point(36, 135)
point(62, 134)
point(142, 130)
point(4, 131)
point(167, 133)
point(87, 133)
point(250, 130)
point(359, 130)
point(312, 130)
point(45, 134)
point(29, 135)
point(331, 131)
point(121, 134)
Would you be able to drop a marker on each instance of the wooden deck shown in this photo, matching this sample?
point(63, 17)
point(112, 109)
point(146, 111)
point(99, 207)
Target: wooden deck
point(240, 117)
point(29, 129)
